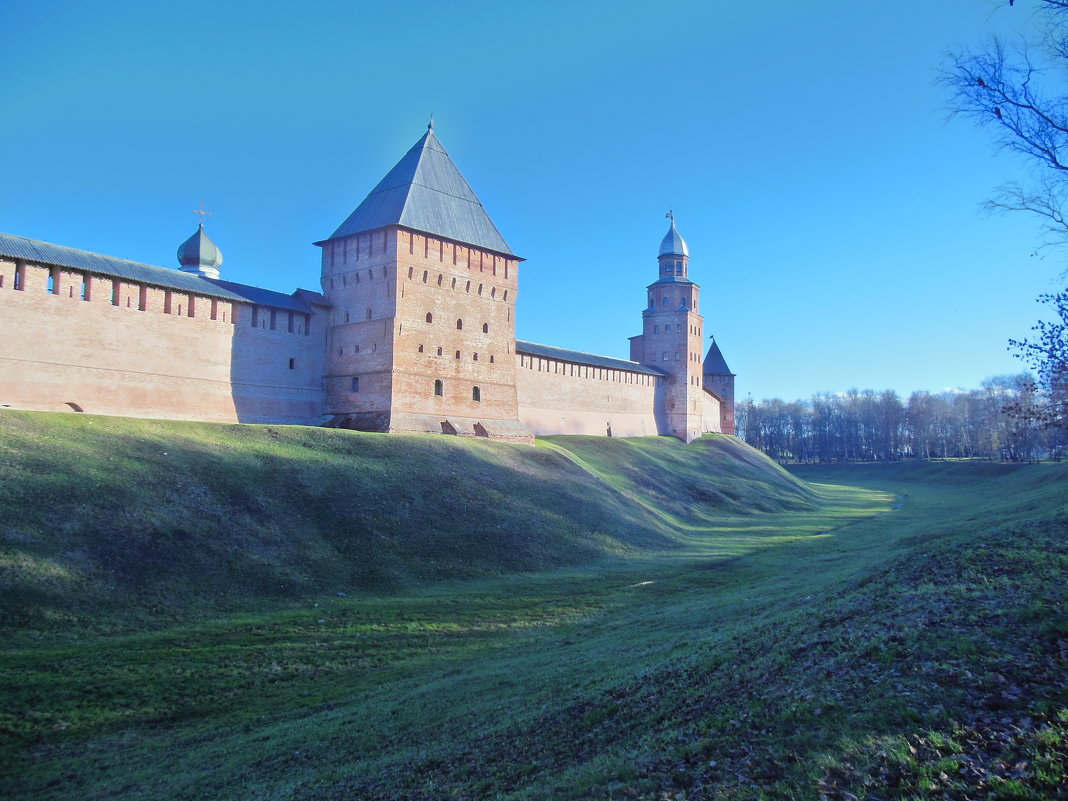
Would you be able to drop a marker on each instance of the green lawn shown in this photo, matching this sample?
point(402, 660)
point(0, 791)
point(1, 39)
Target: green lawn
point(700, 625)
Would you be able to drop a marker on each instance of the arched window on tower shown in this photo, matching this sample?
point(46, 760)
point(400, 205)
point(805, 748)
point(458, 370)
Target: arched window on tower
point(665, 303)
point(485, 328)
point(656, 329)
point(429, 317)
point(439, 388)
point(476, 394)
point(459, 325)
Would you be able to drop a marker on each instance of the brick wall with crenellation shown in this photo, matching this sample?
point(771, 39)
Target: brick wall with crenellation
point(123, 348)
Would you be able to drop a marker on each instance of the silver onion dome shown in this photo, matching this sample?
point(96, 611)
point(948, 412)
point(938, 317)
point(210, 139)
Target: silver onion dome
point(673, 244)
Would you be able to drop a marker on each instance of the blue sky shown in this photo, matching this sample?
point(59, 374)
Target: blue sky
point(830, 207)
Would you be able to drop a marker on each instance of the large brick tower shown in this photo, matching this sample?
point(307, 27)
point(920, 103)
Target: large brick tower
point(423, 287)
point(671, 340)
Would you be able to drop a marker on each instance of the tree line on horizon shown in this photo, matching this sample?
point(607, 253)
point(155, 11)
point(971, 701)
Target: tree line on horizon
point(1005, 87)
point(1003, 419)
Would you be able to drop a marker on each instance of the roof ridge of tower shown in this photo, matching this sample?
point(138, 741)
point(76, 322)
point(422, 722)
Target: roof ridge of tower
point(425, 192)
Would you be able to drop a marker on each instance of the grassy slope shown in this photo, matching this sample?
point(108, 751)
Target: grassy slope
point(107, 519)
point(827, 650)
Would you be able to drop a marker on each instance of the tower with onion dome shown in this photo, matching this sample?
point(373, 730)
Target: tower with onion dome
point(671, 340)
point(199, 255)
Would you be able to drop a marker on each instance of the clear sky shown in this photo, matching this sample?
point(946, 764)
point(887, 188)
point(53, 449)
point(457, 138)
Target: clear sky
point(830, 207)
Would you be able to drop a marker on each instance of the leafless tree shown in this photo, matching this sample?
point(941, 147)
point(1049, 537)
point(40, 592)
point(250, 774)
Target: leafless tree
point(1017, 91)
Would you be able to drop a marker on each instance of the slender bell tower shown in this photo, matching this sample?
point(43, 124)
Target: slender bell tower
point(671, 340)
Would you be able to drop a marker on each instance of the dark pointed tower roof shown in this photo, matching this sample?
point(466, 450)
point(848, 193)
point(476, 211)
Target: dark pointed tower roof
point(715, 364)
point(426, 192)
point(198, 254)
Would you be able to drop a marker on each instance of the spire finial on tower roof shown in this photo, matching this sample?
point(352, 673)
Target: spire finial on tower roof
point(202, 213)
point(673, 244)
point(430, 125)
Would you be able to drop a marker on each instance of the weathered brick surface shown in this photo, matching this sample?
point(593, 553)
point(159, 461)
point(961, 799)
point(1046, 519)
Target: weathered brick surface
point(411, 310)
point(558, 397)
point(105, 355)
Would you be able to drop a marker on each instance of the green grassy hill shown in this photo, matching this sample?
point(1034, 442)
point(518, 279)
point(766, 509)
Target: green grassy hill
point(109, 518)
point(608, 619)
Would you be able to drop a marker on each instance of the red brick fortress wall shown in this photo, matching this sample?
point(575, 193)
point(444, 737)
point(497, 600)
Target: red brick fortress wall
point(107, 346)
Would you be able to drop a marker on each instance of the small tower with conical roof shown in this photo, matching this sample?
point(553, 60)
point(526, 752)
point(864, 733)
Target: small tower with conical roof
point(199, 255)
point(719, 380)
